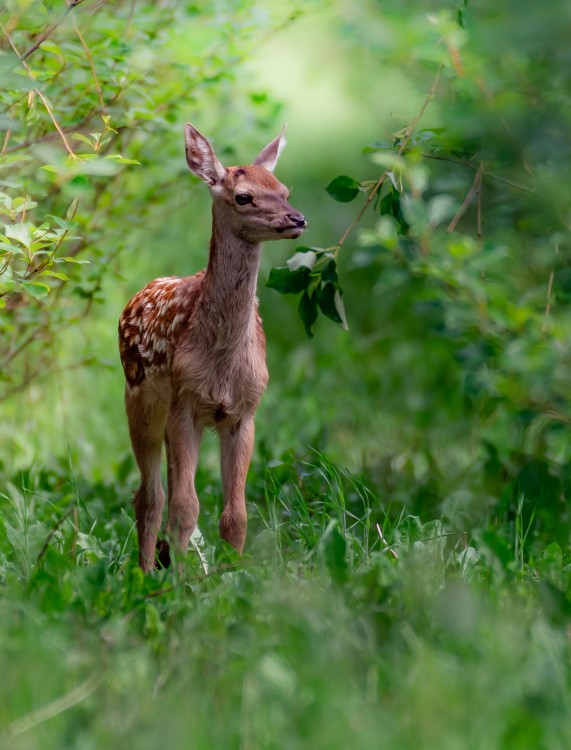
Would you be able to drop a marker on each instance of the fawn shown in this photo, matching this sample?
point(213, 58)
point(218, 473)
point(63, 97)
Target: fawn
point(193, 351)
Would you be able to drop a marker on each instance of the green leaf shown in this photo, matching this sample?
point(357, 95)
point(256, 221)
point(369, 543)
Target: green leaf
point(83, 139)
point(331, 304)
point(9, 248)
point(19, 232)
point(307, 311)
point(285, 281)
point(72, 209)
point(36, 289)
point(56, 274)
point(121, 159)
point(390, 205)
point(71, 259)
point(306, 258)
point(329, 272)
point(343, 189)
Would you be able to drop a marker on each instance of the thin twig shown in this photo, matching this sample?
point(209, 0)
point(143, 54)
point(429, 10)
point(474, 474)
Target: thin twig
point(6, 139)
point(479, 204)
point(467, 200)
point(67, 701)
point(39, 93)
point(71, 129)
point(405, 139)
point(461, 163)
point(548, 305)
point(91, 63)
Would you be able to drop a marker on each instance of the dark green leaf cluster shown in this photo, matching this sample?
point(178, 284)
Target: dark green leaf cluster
point(313, 272)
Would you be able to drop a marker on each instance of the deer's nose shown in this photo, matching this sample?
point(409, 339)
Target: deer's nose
point(297, 219)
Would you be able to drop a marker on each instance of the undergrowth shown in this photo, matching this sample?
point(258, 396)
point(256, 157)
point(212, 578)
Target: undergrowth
point(349, 622)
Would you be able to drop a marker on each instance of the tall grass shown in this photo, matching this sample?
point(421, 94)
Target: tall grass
point(348, 623)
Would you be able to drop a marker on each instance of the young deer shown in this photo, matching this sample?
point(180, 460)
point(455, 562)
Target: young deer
point(194, 352)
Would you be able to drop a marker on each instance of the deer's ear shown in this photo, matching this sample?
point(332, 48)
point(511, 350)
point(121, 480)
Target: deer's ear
point(268, 157)
point(200, 156)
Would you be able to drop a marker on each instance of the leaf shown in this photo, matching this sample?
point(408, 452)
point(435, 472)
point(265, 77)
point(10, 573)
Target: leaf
point(343, 189)
point(390, 205)
point(307, 311)
point(24, 206)
point(19, 232)
point(331, 304)
point(285, 281)
point(414, 212)
point(441, 208)
point(56, 274)
point(36, 289)
point(83, 139)
point(121, 159)
point(9, 248)
point(72, 209)
point(71, 259)
point(306, 258)
point(340, 307)
point(329, 272)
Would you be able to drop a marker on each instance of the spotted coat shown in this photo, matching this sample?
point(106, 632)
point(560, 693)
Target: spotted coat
point(152, 323)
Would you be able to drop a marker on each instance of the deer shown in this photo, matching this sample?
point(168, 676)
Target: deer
point(193, 352)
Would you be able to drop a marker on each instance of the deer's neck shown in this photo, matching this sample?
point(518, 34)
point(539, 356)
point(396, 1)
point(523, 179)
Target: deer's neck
point(229, 285)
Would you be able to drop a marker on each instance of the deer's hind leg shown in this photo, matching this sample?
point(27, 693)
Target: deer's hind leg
point(147, 411)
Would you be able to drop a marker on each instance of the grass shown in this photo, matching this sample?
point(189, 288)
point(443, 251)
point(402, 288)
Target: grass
point(348, 623)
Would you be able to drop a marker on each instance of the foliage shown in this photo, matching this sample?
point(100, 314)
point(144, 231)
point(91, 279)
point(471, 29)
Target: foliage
point(343, 625)
point(89, 98)
point(472, 240)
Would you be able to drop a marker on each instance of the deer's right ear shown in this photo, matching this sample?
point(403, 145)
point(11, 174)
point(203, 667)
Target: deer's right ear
point(201, 157)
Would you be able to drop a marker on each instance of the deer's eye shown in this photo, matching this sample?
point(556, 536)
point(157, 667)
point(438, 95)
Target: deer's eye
point(243, 198)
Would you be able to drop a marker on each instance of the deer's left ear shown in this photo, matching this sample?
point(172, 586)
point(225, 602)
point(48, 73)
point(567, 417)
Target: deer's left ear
point(268, 157)
point(201, 158)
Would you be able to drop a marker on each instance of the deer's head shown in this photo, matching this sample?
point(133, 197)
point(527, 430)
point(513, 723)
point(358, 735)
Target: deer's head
point(250, 201)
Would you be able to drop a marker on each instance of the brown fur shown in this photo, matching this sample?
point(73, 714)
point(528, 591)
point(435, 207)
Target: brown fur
point(194, 356)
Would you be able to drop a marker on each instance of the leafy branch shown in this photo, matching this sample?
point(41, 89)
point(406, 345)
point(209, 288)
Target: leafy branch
point(312, 270)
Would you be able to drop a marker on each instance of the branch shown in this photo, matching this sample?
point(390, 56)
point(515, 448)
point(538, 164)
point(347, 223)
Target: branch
point(42, 38)
point(91, 63)
point(468, 164)
point(475, 187)
point(39, 93)
point(404, 142)
point(70, 129)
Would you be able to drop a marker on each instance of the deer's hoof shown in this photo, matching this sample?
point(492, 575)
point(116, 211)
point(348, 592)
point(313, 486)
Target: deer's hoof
point(163, 556)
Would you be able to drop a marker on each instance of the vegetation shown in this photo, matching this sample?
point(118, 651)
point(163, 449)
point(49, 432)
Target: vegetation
point(406, 580)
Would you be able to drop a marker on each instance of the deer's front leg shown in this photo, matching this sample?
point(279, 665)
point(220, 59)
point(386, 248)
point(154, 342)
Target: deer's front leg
point(183, 439)
point(236, 446)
